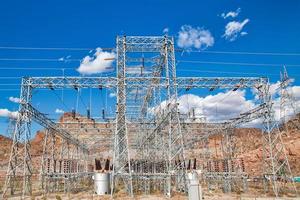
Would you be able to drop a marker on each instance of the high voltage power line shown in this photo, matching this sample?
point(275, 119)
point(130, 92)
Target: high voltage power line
point(177, 49)
point(247, 53)
point(35, 68)
point(50, 48)
point(236, 63)
point(179, 61)
point(41, 59)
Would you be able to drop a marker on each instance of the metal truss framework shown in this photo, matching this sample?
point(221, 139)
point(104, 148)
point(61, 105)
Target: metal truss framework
point(20, 169)
point(229, 175)
point(146, 97)
point(142, 82)
point(276, 166)
point(288, 106)
point(63, 165)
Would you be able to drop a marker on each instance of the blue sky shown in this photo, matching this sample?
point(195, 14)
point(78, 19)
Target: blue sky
point(272, 26)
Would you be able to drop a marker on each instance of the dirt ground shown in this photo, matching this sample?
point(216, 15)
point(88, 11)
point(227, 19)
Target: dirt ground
point(84, 196)
point(252, 194)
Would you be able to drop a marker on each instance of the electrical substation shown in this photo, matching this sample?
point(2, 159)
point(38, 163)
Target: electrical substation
point(145, 145)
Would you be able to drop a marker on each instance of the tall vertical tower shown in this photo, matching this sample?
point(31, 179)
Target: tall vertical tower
point(288, 107)
point(276, 168)
point(20, 159)
point(146, 80)
point(121, 159)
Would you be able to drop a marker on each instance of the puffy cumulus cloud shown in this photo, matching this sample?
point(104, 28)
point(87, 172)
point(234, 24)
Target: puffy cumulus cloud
point(274, 88)
point(199, 38)
point(233, 29)
point(295, 91)
point(219, 107)
point(291, 108)
point(7, 113)
point(226, 105)
point(100, 62)
point(14, 99)
point(157, 110)
point(232, 14)
point(59, 111)
point(288, 110)
point(189, 102)
point(215, 108)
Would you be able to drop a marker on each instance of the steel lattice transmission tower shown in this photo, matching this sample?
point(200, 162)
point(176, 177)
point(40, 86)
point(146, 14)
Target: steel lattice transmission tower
point(288, 106)
point(121, 159)
point(20, 169)
point(20, 165)
point(161, 81)
point(276, 167)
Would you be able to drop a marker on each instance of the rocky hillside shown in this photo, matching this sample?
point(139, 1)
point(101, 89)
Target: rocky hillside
point(5, 144)
point(251, 150)
point(247, 145)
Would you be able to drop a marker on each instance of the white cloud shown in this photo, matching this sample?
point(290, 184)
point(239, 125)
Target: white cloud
point(166, 30)
point(232, 14)
point(290, 110)
point(112, 95)
point(100, 62)
point(295, 91)
point(59, 111)
point(14, 99)
point(215, 108)
point(226, 105)
point(233, 29)
point(274, 90)
point(7, 113)
point(199, 38)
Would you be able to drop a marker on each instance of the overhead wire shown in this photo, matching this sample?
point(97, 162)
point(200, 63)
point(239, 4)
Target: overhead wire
point(41, 59)
point(179, 61)
point(80, 98)
point(34, 68)
point(62, 101)
point(182, 61)
point(236, 63)
point(233, 72)
point(90, 103)
point(220, 72)
point(51, 48)
point(13, 89)
point(77, 100)
point(10, 77)
point(177, 49)
point(241, 52)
